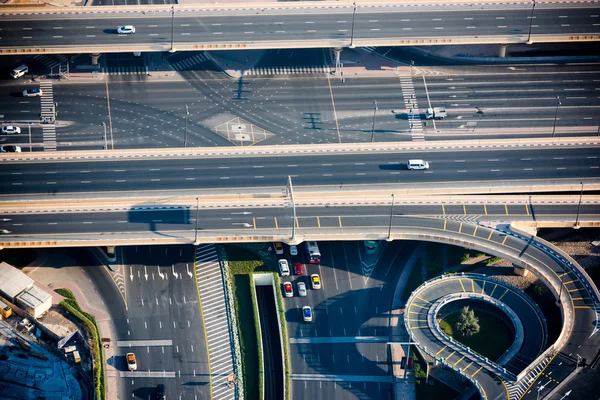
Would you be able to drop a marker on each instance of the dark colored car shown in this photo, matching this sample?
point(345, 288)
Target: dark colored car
point(160, 392)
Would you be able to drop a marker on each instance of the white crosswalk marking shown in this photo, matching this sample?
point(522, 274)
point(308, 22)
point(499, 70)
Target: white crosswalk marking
point(217, 326)
point(309, 69)
point(130, 70)
point(47, 106)
point(516, 390)
point(52, 61)
point(412, 108)
point(190, 62)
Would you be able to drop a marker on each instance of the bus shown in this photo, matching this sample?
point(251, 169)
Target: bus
point(312, 252)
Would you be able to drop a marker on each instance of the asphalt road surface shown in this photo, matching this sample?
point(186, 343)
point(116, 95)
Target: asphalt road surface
point(339, 25)
point(164, 324)
point(354, 301)
point(114, 174)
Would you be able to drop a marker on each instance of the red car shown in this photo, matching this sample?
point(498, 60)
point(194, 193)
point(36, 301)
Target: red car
point(298, 269)
point(288, 291)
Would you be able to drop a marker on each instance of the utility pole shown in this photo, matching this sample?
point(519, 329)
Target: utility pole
point(187, 112)
point(196, 231)
point(531, 23)
point(290, 192)
point(172, 28)
point(579, 207)
point(353, 19)
point(373, 127)
point(556, 115)
point(389, 238)
point(105, 138)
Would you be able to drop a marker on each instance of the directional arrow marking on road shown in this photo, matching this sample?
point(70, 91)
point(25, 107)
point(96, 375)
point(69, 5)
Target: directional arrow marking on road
point(187, 267)
point(175, 274)
point(131, 274)
point(162, 276)
point(145, 273)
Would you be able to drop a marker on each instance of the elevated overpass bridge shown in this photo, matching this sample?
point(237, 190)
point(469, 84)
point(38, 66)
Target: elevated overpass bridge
point(485, 214)
point(270, 25)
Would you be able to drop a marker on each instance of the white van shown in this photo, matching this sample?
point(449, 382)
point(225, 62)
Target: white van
point(417, 164)
point(19, 71)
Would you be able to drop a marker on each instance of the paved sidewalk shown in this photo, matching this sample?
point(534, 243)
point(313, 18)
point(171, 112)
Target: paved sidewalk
point(73, 278)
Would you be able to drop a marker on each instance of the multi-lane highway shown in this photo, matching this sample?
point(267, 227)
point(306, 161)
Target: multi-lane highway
point(71, 173)
point(283, 26)
point(163, 327)
point(142, 111)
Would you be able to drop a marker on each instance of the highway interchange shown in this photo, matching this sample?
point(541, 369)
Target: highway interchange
point(147, 109)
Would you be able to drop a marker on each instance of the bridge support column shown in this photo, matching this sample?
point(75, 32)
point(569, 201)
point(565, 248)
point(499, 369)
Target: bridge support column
point(110, 250)
point(520, 271)
point(95, 58)
point(338, 52)
point(502, 50)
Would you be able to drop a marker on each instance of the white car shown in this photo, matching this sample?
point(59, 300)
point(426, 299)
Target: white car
point(126, 29)
point(293, 251)
point(9, 130)
point(307, 314)
point(417, 164)
point(34, 92)
point(301, 289)
point(131, 362)
point(10, 149)
point(284, 267)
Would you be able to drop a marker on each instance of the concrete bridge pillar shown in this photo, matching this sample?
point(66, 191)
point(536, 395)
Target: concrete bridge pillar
point(520, 271)
point(502, 50)
point(95, 58)
point(338, 52)
point(110, 250)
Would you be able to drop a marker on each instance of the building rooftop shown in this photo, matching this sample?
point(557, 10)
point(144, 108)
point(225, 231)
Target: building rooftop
point(13, 281)
point(34, 296)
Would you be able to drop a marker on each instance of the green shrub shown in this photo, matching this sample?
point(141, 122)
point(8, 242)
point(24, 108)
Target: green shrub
point(66, 293)
point(492, 260)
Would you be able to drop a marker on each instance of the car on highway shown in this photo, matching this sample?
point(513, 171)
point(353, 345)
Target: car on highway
point(126, 29)
point(33, 92)
point(301, 286)
point(293, 250)
point(10, 149)
point(160, 392)
point(10, 129)
point(315, 281)
point(278, 248)
point(131, 363)
point(307, 314)
point(298, 270)
point(284, 267)
point(417, 164)
point(288, 290)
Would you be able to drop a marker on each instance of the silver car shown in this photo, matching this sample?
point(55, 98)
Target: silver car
point(10, 130)
point(301, 289)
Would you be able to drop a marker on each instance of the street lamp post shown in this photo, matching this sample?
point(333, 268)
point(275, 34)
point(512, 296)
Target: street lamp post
point(579, 207)
point(172, 28)
point(196, 231)
point(556, 115)
point(375, 108)
point(187, 112)
point(105, 138)
point(389, 238)
point(353, 19)
point(531, 23)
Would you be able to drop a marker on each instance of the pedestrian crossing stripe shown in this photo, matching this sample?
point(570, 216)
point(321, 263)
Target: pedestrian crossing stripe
point(190, 62)
point(132, 70)
point(294, 70)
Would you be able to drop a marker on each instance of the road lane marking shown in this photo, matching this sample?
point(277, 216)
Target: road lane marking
point(318, 222)
point(276, 224)
point(493, 290)
point(472, 285)
point(337, 127)
point(460, 228)
point(459, 360)
point(500, 298)
point(505, 237)
point(476, 372)
point(491, 233)
point(475, 231)
point(440, 350)
point(450, 355)
point(461, 285)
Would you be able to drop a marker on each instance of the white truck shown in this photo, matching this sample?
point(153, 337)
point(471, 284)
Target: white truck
point(437, 113)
